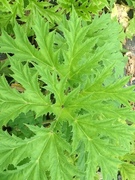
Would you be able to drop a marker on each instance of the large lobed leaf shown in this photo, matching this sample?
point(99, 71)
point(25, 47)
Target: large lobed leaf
point(72, 65)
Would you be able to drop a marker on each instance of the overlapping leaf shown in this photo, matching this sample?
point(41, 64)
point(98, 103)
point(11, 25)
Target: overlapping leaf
point(48, 156)
point(13, 103)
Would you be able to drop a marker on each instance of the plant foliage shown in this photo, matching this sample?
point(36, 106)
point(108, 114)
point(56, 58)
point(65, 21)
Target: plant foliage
point(72, 113)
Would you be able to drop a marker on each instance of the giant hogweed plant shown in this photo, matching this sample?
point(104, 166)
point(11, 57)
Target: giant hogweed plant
point(73, 75)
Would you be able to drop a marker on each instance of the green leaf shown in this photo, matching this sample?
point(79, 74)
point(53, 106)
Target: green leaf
point(46, 9)
point(13, 103)
point(127, 171)
point(78, 46)
point(71, 76)
point(45, 40)
point(98, 5)
point(100, 152)
point(50, 147)
point(20, 45)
